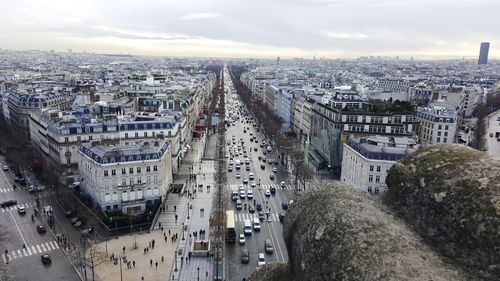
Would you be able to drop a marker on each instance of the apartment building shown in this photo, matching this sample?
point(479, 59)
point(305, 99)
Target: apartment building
point(438, 123)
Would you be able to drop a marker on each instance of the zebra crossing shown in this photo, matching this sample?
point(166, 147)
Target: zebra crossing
point(239, 217)
point(30, 250)
point(6, 189)
point(14, 208)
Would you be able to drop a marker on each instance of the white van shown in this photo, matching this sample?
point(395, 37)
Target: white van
point(247, 227)
point(256, 224)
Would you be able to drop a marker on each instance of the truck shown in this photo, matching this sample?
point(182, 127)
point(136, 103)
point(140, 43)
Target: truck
point(230, 227)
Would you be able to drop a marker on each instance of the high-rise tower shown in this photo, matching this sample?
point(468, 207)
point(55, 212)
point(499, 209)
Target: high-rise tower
point(483, 53)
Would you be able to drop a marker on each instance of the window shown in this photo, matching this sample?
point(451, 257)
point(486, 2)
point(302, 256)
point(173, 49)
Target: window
point(156, 191)
point(155, 179)
point(130, 170)
point(155, 168)
point(371, 168)
point(113, 172)
point(105, 173)
point(124, 182)
point(66, 139)
point(438, 139)
point(107, 197)
point(377, 179)
point(124, 171)
point(136, 135)
point(148, 168)
point(145, 134)
point(90, 138)
point(378, 168)
point(138, 170)
point(370, 178)
point(139, 180)
point(78, 139)
point(108, 208)
point(126, 135)
point(113, 183)
point(114, 197)
point(124, 196)
point(446, 127)
point(148, 179)
point(139, 194)
point(440, 127)
point(131, 181)
point(376, 191)
point(439, 133)
point(370, 189)
point(445, 134)
point(445, 140)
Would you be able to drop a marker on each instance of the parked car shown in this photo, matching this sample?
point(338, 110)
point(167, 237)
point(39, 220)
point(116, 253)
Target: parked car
point(74, 220)
point(268, 246)
point(281, 217)
point(5, 168)
point(242, 239)
point(273, 190)
point(8, 203)
point(263, 167)
point(267, 193)
point(284, 205)
point(46, 259)
point(271, 176)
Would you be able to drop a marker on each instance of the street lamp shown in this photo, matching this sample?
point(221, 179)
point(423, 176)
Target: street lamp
point(188, 211)
point(183, 231)
point(176, 269)
point(198, 269)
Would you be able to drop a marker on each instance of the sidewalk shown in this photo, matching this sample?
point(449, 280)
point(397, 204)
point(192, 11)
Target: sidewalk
point(110, 271)
point(187, 268)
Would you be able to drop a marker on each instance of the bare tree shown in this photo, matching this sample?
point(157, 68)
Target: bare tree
point(93, 256)
point(5, 273)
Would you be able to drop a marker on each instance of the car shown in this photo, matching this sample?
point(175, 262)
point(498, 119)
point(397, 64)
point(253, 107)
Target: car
point(242, 194)
point(267, 193)
point(250, 194)
point(283, 184)
point(264, 159)
point(261, 216)
point(68, 213)
point(261, 261)
point(8, 203)
point(271, 176)
point(255, 149)
point(247, 168)
point(251, 209)
point(78, 224)
point(41, 228)
point(238, 175)
point(242, 239)
point(245, 180)
point(239, 206)
point(251, 176)
point(253, 184)
point(74, 220)
point(21, 210)
point(258, 207)
point(268, 246)
point(46, 259)
point(491, 135)
point(5, 168)
point(264, 152)
point(276, 162)
point(281, 216)
point(245, 256)
point(273, 190)
point(260, 157)
point(275, 170)
point(284, 205)
point(263, 167)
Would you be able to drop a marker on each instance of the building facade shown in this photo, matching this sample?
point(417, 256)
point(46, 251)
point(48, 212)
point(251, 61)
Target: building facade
point(438, 123)
point(366, 163)
point(127, 177)
point(483, 53)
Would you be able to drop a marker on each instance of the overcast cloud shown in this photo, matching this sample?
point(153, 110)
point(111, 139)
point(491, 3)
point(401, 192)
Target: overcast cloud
point(254, 28)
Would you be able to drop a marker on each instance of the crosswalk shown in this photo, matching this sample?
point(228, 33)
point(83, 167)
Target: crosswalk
point(263, 186)
point(14, 208)
point(239, 217)
point(30, 250)
point(6, 189)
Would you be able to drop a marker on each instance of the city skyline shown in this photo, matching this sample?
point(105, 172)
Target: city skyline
point(264, 29)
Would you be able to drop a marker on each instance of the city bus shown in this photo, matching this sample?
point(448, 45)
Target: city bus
point(230, 227)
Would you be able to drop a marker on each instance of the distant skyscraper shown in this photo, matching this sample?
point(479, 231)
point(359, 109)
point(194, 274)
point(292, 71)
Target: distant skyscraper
point(278, 61)
point(483, 53)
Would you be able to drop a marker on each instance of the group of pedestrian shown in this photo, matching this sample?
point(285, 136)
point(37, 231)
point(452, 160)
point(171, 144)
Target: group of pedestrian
point(130, 264)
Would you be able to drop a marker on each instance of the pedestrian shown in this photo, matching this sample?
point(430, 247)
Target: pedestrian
point(162, 228)
point(164, 234)
point(165, 239)
point(175, 218)
point(142, 278)
point(147, 250)
point(123, 249)
point(206, 273)
point(149, 244)
point(162, 259)
point(175, 208)
point(159, 224)
point(189, 256)
point(151, 262)
point(166, 207)
point(156, 264)
point(133, 263)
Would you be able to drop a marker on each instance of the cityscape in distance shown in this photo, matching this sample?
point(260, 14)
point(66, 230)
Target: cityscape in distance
point(321, 140)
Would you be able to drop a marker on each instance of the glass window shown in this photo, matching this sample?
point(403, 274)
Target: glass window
point(105, 173)
point(113, 172)
point(124, 171)
point(370, 178)
point(378, 168)
point(138, 170)
point(371, 168)
point(130, 170)
point(377, 179)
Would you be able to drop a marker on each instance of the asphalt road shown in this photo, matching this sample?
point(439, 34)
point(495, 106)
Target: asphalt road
point(26, 264)
point(272, 229)
point(493, 144)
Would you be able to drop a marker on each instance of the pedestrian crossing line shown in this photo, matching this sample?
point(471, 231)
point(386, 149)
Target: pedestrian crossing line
point(6, 189)
point(242, 217)
point(14, 208)
point(29, 251)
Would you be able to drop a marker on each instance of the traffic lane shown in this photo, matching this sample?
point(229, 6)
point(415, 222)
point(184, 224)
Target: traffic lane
point(59, 269)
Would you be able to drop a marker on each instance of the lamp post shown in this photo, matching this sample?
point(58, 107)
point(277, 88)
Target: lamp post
point(198, 269)
point(183, 231)
point(176, 269)
point(188, 212)
point(121, 273)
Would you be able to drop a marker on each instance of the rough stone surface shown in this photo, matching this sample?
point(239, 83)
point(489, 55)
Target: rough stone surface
point(271, 272)
point(450, 194)
point(341, 233)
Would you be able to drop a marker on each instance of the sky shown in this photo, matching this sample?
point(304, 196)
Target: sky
point(254, 28)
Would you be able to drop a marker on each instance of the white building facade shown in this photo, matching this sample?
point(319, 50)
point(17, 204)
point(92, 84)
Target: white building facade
point(128, 177)
point(438, 123)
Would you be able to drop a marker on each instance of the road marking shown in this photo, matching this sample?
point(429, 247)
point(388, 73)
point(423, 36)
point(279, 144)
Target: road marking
point(25, 252)
point(14, 254)
point(43, 247)
point(56, 245)
point(19, 253)
point(29, 251)
point(34, 249)
point(4, 258)
point(38, 247)
point(24, 240)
